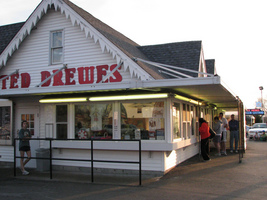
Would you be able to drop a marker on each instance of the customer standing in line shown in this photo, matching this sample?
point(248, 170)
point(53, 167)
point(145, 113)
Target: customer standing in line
point(217, 127)
point(24, 146)
point(234, 130)
point(224, 134)
point(205, 135)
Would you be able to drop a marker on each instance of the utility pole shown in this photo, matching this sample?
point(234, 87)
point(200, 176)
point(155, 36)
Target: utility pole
point(262, 107)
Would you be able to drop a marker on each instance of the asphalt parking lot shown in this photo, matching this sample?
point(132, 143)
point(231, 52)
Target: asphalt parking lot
point(221, 178)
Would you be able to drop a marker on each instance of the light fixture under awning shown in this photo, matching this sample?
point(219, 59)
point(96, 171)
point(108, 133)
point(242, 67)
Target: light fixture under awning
point(129, 97)
point(176, 96)
point(118, 97)
point(63, 100)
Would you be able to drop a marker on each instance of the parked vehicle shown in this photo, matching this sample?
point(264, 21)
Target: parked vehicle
point(257, 127)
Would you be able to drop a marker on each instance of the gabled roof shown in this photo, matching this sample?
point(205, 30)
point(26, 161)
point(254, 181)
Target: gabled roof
point(7, 33)
point(180, 54)
point(210, 65)
point(125, 44)
point(120, 47)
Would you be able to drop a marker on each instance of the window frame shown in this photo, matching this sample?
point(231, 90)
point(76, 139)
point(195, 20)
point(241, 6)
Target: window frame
point(61, 123)
point(179, 113)
point(52, 48)
point(9, 140)
point(185, 121)
point(89, 134)
point(164, 117)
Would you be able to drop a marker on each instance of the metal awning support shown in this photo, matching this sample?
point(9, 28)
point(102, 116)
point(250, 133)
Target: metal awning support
point(5, 77)
point(48, 78)
point(175, 76)
point(162, 67)
point(110, 73)
point(166, 67)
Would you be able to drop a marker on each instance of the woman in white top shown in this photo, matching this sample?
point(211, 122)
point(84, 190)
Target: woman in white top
point(217, 127)
point(224, 134)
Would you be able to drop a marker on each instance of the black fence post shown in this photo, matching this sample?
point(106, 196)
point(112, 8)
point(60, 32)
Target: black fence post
point(140, 168)
point(92, 156)
point(50, 151)
point(92, 160)
point(15, 157)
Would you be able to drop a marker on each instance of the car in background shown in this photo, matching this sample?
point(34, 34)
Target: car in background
point(257, 128)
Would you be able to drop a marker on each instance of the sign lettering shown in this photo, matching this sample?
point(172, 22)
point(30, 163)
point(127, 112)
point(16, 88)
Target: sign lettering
point(254, 112)
point(69, 76)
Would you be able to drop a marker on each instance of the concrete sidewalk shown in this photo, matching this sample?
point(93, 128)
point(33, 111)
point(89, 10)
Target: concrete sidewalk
point(221, 178)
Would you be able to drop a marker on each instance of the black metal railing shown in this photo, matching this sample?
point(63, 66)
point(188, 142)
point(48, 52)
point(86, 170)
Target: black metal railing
point(92, 160)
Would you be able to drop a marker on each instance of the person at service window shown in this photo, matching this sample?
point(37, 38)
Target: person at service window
point(205, 135)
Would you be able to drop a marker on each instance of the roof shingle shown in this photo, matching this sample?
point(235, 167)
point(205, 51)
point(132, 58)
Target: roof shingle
point(7, 33)
point(210, 65)
point(180, 54)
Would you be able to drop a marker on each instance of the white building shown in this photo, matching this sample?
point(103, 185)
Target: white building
point(60, 69)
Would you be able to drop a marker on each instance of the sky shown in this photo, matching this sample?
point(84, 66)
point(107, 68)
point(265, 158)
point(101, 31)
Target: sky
point(233, 32)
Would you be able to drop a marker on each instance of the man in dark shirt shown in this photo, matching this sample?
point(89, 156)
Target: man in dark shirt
point(234, 130)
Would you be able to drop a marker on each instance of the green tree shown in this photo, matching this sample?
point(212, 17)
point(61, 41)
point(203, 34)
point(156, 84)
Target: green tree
point(258, 118)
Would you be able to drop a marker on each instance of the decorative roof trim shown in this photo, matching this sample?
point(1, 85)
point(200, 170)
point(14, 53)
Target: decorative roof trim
point(105, 45)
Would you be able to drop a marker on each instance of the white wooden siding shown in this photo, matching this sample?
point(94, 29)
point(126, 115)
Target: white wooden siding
point(33, 55)
point(7, 154)
point(151, 161)
point(177, 156)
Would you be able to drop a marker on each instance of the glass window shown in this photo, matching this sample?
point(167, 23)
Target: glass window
point(93, 121)
point(197, 120)
point(56, 47)
point(176, 120)
point(187, 113)
point(62, 121)
point(5, 120)
point(30, 119)
point(193, 120)
point(208, 116)
point(143, 121)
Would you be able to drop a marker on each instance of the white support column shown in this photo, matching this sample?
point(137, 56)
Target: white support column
point(116, 125)
point(168, 121)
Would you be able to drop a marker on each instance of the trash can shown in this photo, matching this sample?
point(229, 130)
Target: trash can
point(42, 164)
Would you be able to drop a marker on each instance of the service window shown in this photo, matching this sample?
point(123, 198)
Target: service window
point(187, 121)
point(5, 125)
point(93, 121)
point(193, 120)
point(62, 121)
point(176, 120)
point(208, 116)
point(143, 120)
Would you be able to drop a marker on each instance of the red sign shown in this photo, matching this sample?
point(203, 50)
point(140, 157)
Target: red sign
point(85, 75)
point(253, 110)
